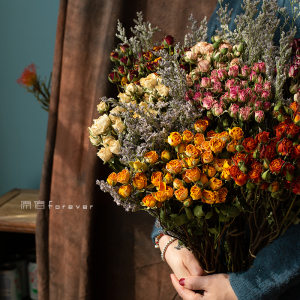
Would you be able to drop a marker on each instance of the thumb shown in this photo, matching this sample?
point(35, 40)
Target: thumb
point(195, 283)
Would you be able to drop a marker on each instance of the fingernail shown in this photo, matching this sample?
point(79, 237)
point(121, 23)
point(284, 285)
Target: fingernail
point(181, 281)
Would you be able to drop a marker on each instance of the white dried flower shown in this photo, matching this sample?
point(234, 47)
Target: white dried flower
point(102, 107)
point(119, 126)
point(162, 90)
point(100, 125)
point(95, 140)
point(150, 82)
point(105, 154)
point(115, 147)
point(203, 48)
point(124, 98)
point(116, 110)
point(106, 140)
point(132, 88)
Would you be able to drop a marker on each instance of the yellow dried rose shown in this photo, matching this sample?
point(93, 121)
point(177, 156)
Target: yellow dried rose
point(191, 150)
point(182, 193)
point(156, 178)
point(208, 197)
point(161, 194)
point(174, 166)
point(151, 157)
point(149, 201)
point(222, 195)
point(231, 147)
point(224, 136)
point(211, 134)
point(185, 178)
point(191, 161)
point(177, 183)
point(236, 133)
point(201, 125)
point(195, 192)
point(217, 145)
point(199, 139)
point(123, 176)
point(205, 145)
point(168, 178)
point(125, 190)
point(187, 136)
point(209, 170)
point(207, 157)
point(166, 155)
point(112, 179)
point(193, 174)
point(226, 171)
point(203, 178)
point(169, 192)
point(218, 164)
point(139, 181)
point(181, 148)
point(174, 139)
point(215, 183)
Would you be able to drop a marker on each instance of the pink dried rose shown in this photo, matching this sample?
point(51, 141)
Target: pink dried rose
point(266, 106)
point(267, 86)
point(243, 83)
point(265, 95)
point(253, 76)
point(262, 67)
point(190, 56)
point(258, 88)
point(208, 94)
point(225, 98)
point(255, 68)
point(233, 110)
point(259, 116)
point(203, 66)
point(189, 95)
point(217, 109)
point(244, 113)
point(233, 71)
point(208, 102)
point(222, 74)
point(214, 73)
point(205, 82)
point(260, 79)
point(197, 87)
point(257, 105)
point(243, 95)
point(233, 93)
point(198, 96)
point(229, 83)
point(217, 88)
point(245, 71)
point(252, 100)
point(214, 79)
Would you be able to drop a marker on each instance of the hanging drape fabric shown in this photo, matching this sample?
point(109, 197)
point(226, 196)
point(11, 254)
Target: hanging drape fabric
point(97, 251)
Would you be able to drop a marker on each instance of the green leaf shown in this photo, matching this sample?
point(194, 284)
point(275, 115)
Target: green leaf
point(163, 216)
point(213, 230)
point(179, 220)
point(223, 218)
point(198, 212)
point(189, 213)
point(230, 211)
point(209, 215)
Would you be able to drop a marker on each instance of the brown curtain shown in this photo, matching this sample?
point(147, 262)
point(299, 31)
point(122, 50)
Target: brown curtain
point(100, 252)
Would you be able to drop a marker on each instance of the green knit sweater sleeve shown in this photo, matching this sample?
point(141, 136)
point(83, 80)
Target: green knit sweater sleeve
point(275, 273)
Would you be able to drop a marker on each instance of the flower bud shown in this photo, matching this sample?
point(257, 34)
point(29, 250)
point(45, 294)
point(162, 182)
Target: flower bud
point(242, 167)
point(224, 51)
point(294, 88)
point(289, 176)
point(188, 202)
point(239, 148)
point(266, 163)
point(166, 156)
point(250, 185)
point(274, 187)
point(113, 77)
point(266, 175)
point(114, 56)
point(137, 165)
point(256, 154)
point(240, 47)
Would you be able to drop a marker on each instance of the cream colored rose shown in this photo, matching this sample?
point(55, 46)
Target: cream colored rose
point(106, 140)
point(203, 66)
point(116, 110)
point(203, 48)
point(189, 81)
point(100, 125)
point(146, 97)
point(162, 90)
point(234, 62)
point(95, 140)
point(102, 106)
point(150, 82)
point(115, 147)
point(119, 126)
point(224, 45)
point(133, 89)
point(105, 154)
point(190, 55)
point(124, 98)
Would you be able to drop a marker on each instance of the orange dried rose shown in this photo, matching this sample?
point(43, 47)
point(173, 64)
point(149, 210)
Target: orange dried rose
point(203, 178)
point(168, 178)
point(193, 174)
point(296, 151)
point(169, 192)
point(112, 179)
point(231, 147)
point(156, 178)
point(224, 136)
point(217, 145)
point(187, 136)
point(181, 148)
point(276, 165)
point(297, 118)
point(257, 166)
point(207, 157)
point(182, 193)
point(139, 181)
point(125, 190)
point(174, 166)
point(239, 156)
point(274, 186)
point(161, 195)
point(174, 139)
point(123, 176)
point(205, 145)
point(191, 150)
point(149, 201)
point(222, 195)
point(218, 164)
point(177, 183)
point(294, 106)
point(211, 134)
point(234, 171)
point(208, 197)
point(262, 137)
point(249, 144)
point(195, 192)
point(198, 139)
point(201, 125)
point(285, 147)
point(281, 129)
point(209, 170)
point(255, 175)
point(264, 186)
point(292, 130)
point(191, 161)
point(236, 133)
point(185, 178)
point(151, 157)
point(215, 183)
point(241, 179)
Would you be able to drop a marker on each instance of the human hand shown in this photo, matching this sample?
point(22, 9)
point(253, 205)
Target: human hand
point(182, 262)
point(215, 287)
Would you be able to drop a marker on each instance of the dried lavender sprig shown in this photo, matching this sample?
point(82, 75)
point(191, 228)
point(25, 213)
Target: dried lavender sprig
point(197, 34)
point(224, 18)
